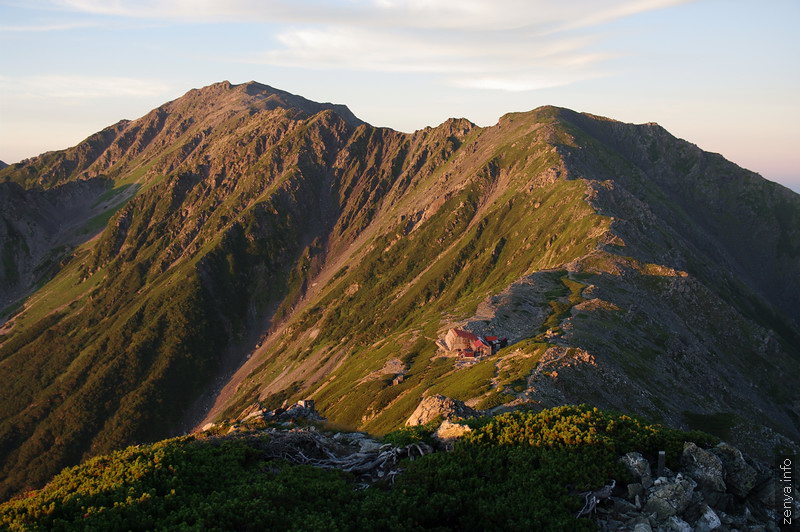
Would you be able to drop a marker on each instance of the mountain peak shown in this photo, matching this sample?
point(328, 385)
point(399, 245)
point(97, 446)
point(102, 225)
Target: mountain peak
point(261, 96)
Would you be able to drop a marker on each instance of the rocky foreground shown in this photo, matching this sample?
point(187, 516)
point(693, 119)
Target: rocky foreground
point(717, 489)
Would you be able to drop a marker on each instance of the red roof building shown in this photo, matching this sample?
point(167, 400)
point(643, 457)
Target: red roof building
point(458, 339)
point(481, 348)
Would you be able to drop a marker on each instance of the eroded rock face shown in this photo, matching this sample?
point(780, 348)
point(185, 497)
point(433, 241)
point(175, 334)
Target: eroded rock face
point(438, 406)
point(39, 227)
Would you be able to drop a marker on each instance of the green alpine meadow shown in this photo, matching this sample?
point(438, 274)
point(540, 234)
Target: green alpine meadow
point(247, 310)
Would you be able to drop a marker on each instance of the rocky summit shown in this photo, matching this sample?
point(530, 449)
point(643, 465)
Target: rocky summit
point(245, 248)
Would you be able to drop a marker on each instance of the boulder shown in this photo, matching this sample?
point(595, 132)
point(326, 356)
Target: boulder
point(766, 492)
point(708, 521)
point(704, 467)
point(255, 407)
point(449, 431)
point(254, 414)
point(635, 489)
point(721, 501)
point(740, 477)
point(639, 467)
point(676, 524)
point(300, 410)
point(738, 521)
point(669, 497)
point(438, 406)
point(621, 506)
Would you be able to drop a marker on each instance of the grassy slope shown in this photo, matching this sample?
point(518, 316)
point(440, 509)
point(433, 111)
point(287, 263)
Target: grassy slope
point(115, 347)
point(391, 302)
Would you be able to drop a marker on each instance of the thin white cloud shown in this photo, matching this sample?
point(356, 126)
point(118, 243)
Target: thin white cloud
point(404, 50)
point(475, 14)
point(468, 59)
point(81, 87)
point(524, 81)
point(508, 84)
point(46, 27)
point(487, 61)
point(510, 45)
point(615, 10)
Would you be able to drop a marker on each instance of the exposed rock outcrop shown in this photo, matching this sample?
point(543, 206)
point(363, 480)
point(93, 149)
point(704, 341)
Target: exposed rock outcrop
point(740, 477)
point(639, 467)
point(703, 466)
point(301, 410)
point(696, 499)
point(669, 496)
point(449, 431)
point(39, 227)
point(439, 407)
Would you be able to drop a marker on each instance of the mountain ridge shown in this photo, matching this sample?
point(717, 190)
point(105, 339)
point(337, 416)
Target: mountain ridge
point(273, 254)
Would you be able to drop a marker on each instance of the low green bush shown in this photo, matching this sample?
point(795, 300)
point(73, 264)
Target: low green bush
point(518, 471)
point(409, 435)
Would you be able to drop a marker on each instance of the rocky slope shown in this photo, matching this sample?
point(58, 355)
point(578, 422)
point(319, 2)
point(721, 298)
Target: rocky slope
point(39, 227)
point(263, 248)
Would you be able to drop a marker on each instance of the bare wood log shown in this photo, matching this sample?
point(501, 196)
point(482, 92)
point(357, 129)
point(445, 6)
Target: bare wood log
point(591, 498)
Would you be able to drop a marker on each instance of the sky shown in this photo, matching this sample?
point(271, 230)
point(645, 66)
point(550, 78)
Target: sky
point(723, 74)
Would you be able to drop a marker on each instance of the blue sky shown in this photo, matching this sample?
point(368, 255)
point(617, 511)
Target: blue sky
point(721, 74)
